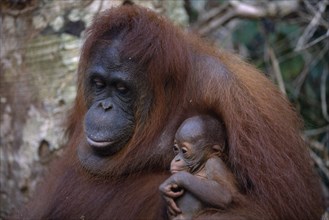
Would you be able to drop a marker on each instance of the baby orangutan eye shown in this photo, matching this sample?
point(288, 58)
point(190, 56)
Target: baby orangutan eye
point(175, 148)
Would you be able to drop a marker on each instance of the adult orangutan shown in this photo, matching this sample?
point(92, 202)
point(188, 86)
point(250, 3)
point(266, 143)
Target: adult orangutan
point(139, 78)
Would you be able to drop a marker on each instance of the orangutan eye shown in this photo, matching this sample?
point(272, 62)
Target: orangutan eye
point(121, 87)
point(175, 148)
point(98, 83)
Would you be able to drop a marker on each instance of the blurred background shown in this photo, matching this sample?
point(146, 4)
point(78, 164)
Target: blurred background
point(39, 51)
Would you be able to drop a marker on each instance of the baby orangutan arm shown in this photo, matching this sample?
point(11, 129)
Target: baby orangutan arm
point(216, 190)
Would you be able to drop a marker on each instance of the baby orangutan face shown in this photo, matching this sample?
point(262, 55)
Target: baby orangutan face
point(192, 147)
point(185, 158)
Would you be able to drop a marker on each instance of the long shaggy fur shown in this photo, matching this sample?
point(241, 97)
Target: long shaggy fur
point(186, 77)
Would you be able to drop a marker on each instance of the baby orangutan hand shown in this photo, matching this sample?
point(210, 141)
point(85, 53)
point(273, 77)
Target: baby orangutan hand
point(171, 191)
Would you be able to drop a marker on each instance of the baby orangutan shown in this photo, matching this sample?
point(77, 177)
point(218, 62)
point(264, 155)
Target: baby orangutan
point(201, 180)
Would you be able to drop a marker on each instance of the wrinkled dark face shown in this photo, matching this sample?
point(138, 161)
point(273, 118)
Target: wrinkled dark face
point(109, 122)
point(113, 87)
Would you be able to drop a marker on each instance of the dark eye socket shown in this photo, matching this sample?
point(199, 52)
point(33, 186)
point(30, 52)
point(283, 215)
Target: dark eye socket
point(121, 87)
point(98, 83)
point(184, 150)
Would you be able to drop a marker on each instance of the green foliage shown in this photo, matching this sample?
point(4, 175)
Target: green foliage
point(292, 67)
point(301, 70)
point(246, 32)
